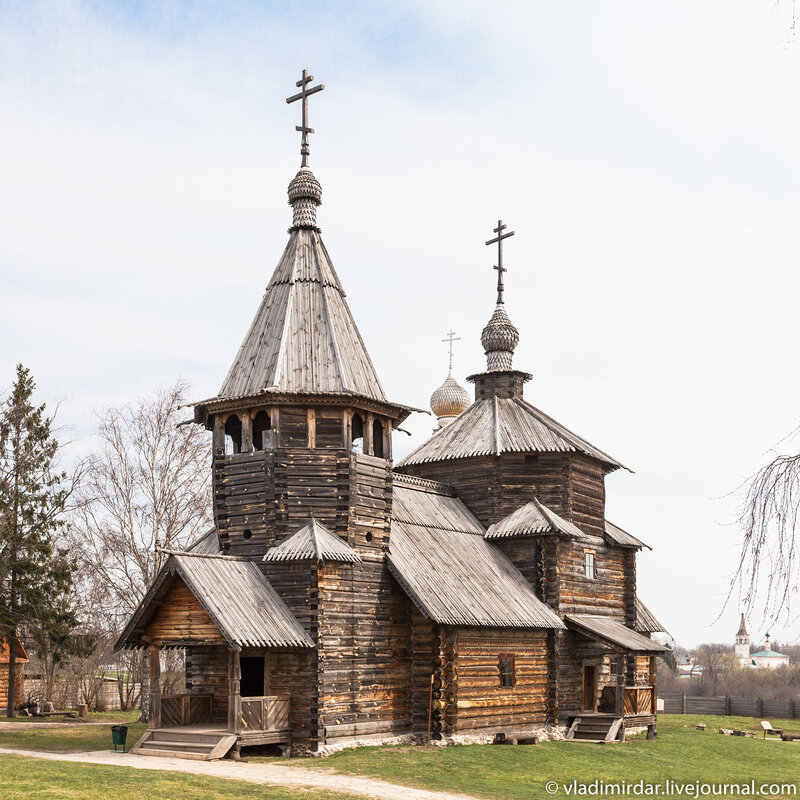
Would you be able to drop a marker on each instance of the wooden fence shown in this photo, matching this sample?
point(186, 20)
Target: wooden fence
point(726, 706)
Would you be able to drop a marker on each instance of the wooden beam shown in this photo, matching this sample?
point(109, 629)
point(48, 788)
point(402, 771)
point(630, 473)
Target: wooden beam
point(311, 426)
point(155, 687)
point(234, 692)
point(368, 435)
point(247, 432)
point(219, 435)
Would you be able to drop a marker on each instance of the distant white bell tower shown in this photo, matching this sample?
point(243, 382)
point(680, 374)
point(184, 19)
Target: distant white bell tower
point(742, 648)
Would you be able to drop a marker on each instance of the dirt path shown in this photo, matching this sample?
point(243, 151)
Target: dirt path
point(266, 774)
point(44, 726)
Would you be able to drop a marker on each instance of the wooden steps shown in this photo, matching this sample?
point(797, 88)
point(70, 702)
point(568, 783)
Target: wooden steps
point(200, 745)
point(597, 728)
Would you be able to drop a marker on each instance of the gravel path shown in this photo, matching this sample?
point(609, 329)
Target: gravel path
point(267, 774)
point(43, 726)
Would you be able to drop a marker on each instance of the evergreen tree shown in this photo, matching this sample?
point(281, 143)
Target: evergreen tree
point(34, 574)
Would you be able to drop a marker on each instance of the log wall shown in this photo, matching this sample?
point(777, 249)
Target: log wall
point(18, 690)
point(480, 701)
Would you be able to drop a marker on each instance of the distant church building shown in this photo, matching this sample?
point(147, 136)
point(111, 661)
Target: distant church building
point(765, 659)
point(475, 588)
point(741, 648)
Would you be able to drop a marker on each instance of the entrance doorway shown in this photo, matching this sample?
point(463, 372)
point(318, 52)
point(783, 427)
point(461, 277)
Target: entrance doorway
point(254, 681)
point(589, 699)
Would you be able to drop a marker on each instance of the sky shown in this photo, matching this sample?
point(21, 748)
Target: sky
point(647, 156)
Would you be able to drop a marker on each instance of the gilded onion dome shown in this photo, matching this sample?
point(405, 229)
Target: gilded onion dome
point(305, 194)
point(499, 340)
point(449, 400)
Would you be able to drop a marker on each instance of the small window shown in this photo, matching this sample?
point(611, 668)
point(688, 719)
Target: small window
point(508, 672)
point(590, 568)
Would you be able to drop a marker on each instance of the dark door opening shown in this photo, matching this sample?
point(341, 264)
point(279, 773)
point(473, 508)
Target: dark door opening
point(252, 683)
point(589, 687)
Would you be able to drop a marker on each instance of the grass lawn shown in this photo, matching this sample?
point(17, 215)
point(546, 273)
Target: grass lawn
point(24, 778)
point(680, 753)
point(73, 739)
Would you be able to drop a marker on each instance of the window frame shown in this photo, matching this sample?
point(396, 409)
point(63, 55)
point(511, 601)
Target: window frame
point(507, 668)
point(587, 555)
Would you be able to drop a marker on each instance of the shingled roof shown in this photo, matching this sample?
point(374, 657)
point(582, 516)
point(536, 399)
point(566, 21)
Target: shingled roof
point(313, 542)
point(451, 573)
point(498, 425)
point(615, 535)
point(646, 621)
point(233, 592)
point(303, 338)
point(531, 519)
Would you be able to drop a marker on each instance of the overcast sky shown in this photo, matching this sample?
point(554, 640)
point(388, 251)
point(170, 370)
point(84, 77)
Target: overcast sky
point(647, 156)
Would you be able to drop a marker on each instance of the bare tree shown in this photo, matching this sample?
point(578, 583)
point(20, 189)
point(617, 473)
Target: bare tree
point(717, 661)
point(768, 569)
point(148, 487)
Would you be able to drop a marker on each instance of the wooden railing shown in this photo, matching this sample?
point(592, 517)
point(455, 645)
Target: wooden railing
point(265, 713)
point(178, 710)
point(637, 700)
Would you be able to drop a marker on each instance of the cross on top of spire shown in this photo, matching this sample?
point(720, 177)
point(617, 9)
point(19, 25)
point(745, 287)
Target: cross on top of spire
point(451, 337)
point(498, 240)
point(303, 95)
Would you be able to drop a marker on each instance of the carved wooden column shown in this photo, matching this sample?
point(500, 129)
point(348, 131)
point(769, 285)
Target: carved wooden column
point(155, 687)
point(311, 426)
point(219, 436)
point(368, 435)
point(275, 420)
point(347, 429)
point(234, 696)
point(247, 432)
point(387, 439)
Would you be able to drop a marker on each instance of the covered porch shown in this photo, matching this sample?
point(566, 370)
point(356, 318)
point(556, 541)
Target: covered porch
point(228, 619)
point(626, 696)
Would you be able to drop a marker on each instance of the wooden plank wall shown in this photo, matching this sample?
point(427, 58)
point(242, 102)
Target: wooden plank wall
point(207, 673)
point(480, 701)
point(181, 619)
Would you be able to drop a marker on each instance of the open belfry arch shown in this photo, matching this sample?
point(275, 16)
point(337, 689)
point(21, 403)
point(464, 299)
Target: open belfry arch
point(473, 589)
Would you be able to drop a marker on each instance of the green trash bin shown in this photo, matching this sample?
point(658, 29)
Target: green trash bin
point(119, 734)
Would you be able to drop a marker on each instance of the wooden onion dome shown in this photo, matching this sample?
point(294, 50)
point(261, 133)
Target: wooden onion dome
point(449, 400)
point(499, 339)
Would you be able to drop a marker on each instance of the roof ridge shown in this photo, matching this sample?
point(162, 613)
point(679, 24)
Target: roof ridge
point(497, 445)
point(419, 484)
point(332, 331)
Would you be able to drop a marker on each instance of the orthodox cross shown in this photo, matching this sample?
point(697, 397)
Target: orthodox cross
point(451, 337)
point(498, 240)
point(303, 95)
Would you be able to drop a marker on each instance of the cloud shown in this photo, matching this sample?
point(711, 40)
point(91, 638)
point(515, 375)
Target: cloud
point(648, 159)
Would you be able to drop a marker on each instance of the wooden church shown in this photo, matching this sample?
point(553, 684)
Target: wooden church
point(472, 590)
